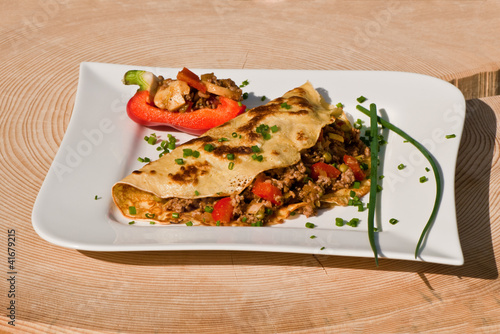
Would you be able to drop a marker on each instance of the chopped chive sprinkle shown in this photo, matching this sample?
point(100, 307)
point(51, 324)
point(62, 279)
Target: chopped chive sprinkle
point(222, 139)
point(393, 221)
point(274, 129)
point(356, 185)
point(175, 215)
point(179, 161)
point(234, 135)
point(263, 98)
point(245, 96)
point(230, 156)
point(401, 166)
point(339, 222)
point(244, 83)
point(151, 139)
point(322, 248)
point(353, 222)
point(285, 105)
point(217, 223)
point(451, 136)
point(209, 209)
point(189, 223)
point(132, 210)
point(313, 237)
point(361, 99)
point(427, 169)
point(196, 154)
point(244, 219)
point(145, 159)
point(339, 105)
point(149, 215)
point(310, 225)
point(196, 193)
point(152, 223)
point(97, 197)
point(231, 165)
point(257, 157)
point(423, 179)
point(131, 222)
point(209, 147)
point(187, 152)
point(255, 149)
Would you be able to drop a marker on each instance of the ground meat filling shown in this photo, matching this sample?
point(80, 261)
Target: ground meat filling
point(294, 182)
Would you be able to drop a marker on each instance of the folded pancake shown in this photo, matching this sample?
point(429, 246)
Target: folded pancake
point(280, 145)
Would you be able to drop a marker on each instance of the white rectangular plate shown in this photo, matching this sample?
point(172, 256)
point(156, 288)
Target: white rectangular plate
point(102, 144)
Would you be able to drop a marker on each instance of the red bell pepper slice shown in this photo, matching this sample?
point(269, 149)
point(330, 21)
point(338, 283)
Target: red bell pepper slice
point(223, 210)
point(192, 79)
point(320, 167)
point(353, 164)
point(194, 122)
point(266, 191)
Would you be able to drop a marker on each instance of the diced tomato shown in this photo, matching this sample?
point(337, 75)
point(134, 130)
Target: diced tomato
point(267, 191)
point(223, 210)
point(191, 79)
point(322, 168)
point(353, 164)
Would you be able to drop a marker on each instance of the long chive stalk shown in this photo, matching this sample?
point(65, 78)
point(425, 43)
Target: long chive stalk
point(373, 178)
point(435, 169)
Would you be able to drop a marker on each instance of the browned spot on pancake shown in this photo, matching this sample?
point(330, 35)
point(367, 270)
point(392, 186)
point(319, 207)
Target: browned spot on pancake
point(224, 149)
point(274, 152)
point(152, 171)
point(136, 172)
point(204, 139)
point(301, 135)
point(189, 173)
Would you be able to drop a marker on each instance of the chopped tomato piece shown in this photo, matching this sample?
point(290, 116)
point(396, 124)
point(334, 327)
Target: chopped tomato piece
point(353, 164)
point(322, 168)
point(223, 210)
point(267, 191)
point(191, 79)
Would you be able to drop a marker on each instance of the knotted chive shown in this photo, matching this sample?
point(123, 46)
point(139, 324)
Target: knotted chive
point(373, 178)
point(435, 169)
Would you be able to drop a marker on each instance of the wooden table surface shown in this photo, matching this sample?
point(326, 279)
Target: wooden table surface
point(59, 290)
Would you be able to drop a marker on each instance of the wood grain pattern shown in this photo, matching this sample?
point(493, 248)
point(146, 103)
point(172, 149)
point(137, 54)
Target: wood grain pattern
point(67, 291)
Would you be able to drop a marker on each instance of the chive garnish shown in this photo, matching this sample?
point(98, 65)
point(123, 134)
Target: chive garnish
point(97, 197)
point(361, 99)
point(222, 139)
point(274, 128)
point(286, 106)
point(209, 209)
point(255, 149)
point(310, 225)
point(196, 193)
point(434, 166)
point(209, 147)
point(152, 223)
point(131, 222)
point(175, 215)
point(245, 96)
point(132, 210)
point(149, 215)
point(263, 98)
point(244, 83)
point(230, 166)
point(393, 221)
point(230, 156)
point(450, 136)
point(373, 178)
point(179, 161)
point(423, 179)
point(401, 166)
point(339, 221)
point(312, 237)
point(234, 135)
point(189, 223)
